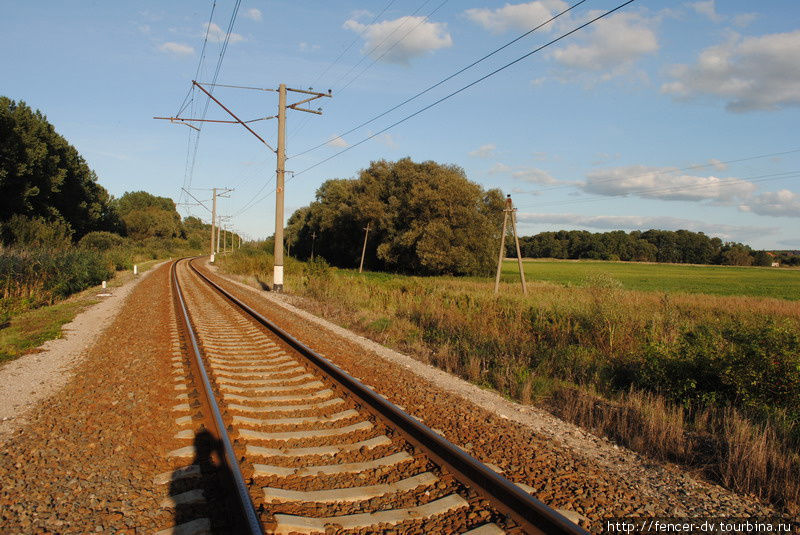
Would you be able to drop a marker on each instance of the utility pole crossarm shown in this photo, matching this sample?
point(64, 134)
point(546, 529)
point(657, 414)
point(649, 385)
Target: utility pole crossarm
point(221, 105)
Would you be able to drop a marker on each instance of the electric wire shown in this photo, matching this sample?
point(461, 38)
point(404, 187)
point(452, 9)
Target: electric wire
point(464, 88)
point(676, 170)
point(440, 82)
point(676, 189)
point(353, 42)
point(305, 121)
point(452, 94)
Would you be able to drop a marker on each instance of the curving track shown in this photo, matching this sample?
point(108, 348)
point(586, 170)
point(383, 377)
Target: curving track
point(309, 448)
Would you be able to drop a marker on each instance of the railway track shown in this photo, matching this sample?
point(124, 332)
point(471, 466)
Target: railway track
point(306, 448)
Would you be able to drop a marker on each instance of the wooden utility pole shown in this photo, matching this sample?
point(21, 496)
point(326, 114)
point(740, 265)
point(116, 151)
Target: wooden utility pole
point(277, 277)
point(364, 249)
point(313, 239)
point(509, 210)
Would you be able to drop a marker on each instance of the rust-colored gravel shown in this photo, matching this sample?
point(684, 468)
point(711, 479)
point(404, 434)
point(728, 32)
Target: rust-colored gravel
point(87, 459)
point(558, 476)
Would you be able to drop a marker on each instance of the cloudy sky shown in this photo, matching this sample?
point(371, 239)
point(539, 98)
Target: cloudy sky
point(661, 115)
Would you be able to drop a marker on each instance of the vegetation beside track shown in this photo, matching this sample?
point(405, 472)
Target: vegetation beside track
point(780, 283)
point(707, 381)
point(30, 327)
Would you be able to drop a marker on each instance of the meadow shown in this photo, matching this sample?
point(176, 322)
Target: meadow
point(707, 380)
point(780, 283)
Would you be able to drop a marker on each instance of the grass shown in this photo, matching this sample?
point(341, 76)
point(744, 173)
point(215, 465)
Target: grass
point(27, 329)
point(710, 381)
point(31, 329)
point(779, 283)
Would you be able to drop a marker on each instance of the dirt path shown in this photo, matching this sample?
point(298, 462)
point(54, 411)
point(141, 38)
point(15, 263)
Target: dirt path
point(33, 377)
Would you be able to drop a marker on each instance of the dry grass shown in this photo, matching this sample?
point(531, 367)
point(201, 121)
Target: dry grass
point(593, 354)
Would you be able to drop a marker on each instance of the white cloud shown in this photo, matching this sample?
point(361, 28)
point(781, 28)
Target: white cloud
point(253, 14)
point(523, 173)
point(305, 47)
point(783, 203)
point(337, 141)
point(718, 164)
point(708, 9)
point(388, 140)
point(744, 19)
point(752, 73)
point(516, 16)
point(534, 175)
point(498, 168)
point(176, 49)
point(484, 151)
point(216, 35)
point(612, 45)
point(665, 183)
point(630, 222)
point(400, 40)
point(359, 13)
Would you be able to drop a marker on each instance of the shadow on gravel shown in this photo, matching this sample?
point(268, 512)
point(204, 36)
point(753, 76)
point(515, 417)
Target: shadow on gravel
point(202, 492)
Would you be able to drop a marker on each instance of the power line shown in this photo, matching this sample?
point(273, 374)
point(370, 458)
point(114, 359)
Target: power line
point(481, 79)
point(223, 49)
point(437, 84)
point(389, 49)
point(677, 189)
point(677, 170)
point(187, 169)
point(374, 49)
point(353, 42)
point(450, 95)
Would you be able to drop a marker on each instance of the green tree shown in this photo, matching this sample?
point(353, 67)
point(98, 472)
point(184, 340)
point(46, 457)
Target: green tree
point(424, 218)
point(145, 215)
point(43, 176)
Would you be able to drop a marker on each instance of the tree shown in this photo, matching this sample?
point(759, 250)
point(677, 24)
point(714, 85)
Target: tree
point(43, 176)
point(736, 254)
point(425, 218)
point(145, 215)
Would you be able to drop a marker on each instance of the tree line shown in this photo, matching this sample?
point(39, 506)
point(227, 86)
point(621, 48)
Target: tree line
point(678, 246)
point(49, 197)
point(427, 218)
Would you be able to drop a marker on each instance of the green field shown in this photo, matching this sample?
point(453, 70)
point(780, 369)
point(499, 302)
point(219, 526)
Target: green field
point(780, 283)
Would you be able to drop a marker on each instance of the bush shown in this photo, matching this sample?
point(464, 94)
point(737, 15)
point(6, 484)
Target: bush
point(22, 231)
point(101, 241)
point(37, 277)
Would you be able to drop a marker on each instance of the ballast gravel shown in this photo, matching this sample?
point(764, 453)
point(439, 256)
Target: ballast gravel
point(86, 458)
point(586, 477)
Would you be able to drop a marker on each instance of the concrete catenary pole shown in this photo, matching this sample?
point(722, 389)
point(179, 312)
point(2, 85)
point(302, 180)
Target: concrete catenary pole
point(277, 275)
point(219, 229)
point(213, 222)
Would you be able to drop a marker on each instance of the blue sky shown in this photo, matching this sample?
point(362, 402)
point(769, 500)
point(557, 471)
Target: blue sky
point(663, 115)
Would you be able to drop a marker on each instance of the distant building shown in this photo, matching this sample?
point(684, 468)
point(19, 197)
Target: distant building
point(776, 264)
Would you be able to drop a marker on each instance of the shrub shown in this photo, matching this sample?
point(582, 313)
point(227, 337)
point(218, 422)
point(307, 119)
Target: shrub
point(101, 241)
point(22, 231)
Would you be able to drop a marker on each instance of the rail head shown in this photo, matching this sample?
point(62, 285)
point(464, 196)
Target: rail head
point(531, 514)
point(249, 520)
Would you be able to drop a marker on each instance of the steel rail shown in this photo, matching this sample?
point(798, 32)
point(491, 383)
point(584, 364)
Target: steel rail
point(250, 521)
point(529, 513)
